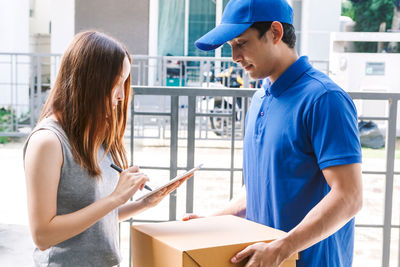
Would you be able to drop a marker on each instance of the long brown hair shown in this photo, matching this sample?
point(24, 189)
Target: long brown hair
point(81, 99)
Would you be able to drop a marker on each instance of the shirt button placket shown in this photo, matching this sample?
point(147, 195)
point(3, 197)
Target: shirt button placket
point(261, 118)
point(264, 112)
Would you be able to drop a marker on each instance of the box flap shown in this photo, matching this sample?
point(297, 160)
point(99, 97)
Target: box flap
point(188, 261)
point(217, 256)
point(210, 232)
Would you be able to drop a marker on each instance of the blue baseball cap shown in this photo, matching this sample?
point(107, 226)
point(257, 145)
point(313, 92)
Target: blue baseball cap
point(239, 15)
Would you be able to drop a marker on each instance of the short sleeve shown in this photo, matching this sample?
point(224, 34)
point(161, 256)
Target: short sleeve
point(333, 131)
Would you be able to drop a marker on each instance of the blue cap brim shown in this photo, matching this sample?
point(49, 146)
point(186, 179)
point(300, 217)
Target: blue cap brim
point(220, 35)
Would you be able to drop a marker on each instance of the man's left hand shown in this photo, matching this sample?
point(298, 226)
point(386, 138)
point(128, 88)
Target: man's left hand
point(261, 255)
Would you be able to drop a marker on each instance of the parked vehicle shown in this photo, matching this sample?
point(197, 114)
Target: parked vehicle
point(370, 135)
point(229, 78)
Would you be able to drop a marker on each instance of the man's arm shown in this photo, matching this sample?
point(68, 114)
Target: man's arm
point(237, 206)
point(329, 215)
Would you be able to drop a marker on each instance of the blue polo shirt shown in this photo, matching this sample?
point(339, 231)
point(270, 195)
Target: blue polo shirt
point(295, 128)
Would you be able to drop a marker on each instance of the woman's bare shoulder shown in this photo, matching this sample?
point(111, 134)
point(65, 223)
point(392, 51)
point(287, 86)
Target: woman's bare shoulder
point(44, 143)
point(44, 137)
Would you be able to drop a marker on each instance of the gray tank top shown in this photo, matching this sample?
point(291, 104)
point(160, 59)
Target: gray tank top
point(98, 245)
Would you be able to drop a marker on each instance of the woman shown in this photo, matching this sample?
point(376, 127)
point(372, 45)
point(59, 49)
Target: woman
point(75, 198)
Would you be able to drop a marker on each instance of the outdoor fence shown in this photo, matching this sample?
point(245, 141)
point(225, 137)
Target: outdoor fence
point(195, 113)
point(26, 79)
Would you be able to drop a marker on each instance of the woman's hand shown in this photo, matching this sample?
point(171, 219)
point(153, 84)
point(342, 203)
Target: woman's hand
point(134, 207)
point(156, 198)
point(130, 181)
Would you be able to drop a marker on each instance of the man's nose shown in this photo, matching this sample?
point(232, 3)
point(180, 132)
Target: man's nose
point(236, 56)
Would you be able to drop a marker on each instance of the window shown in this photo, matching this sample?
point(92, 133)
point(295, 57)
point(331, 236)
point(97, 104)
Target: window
point(173, 24)
point(171, 27)
point(201, 20)
point(226, 49)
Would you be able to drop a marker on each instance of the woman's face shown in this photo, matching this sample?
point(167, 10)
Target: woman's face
point(118, 90)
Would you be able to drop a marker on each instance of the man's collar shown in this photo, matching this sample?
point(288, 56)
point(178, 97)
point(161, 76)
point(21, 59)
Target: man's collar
point(266, 84)
point(289, 76)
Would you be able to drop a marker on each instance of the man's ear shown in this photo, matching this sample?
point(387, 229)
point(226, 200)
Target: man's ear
point(277, 31)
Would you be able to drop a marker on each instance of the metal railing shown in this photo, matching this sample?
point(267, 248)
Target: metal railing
point(185, 72)
point(192, 93)
point(26, 78)
point(392, 102)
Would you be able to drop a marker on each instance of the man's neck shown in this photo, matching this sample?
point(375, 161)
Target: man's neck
point(289, 56)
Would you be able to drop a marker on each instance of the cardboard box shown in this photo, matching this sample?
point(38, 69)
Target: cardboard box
point(206, 242)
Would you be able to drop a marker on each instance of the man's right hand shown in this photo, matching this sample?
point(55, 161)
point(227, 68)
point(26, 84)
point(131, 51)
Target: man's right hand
point(191, 216)
point(237, 207)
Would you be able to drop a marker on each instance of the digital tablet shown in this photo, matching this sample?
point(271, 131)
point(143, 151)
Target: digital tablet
point(177, 178)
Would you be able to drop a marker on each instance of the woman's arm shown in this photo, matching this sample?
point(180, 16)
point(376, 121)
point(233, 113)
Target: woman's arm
point(43, 161)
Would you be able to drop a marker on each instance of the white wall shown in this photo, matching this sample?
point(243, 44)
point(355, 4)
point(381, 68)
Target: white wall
point(39, 27)
point(14, 71)
point(318, 20)
point(14, 26)
point(153, 39)
point(349, 71)
point(62, 24)
point(62, 31)
point(39, 22)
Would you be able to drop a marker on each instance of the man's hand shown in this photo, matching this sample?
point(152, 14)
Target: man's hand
point(191, 216)
point(237, 207)
point(262, 255)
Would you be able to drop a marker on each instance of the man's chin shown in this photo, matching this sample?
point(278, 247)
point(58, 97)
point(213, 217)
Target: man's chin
point(256, 76)
point(253, 76)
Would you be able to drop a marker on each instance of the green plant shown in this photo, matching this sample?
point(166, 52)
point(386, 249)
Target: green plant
point(5, 123)
point(348, 9)
point(368, 15)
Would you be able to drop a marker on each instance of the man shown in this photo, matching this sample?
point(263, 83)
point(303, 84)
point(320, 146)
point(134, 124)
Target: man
point(301, 151)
